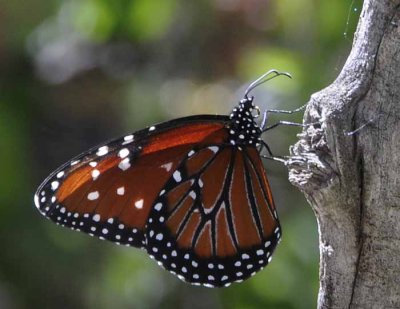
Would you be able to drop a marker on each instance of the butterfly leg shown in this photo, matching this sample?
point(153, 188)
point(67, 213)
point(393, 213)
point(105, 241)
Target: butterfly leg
point(279, 111)
point(286, 123)
point(270, 156)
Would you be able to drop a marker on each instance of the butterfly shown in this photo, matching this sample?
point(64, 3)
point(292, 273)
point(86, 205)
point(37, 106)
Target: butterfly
point(192, 192)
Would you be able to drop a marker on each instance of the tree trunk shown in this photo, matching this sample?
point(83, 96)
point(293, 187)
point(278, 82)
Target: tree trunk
point(353, 181)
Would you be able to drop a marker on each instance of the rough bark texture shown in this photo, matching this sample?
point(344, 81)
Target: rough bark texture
point(353, 182)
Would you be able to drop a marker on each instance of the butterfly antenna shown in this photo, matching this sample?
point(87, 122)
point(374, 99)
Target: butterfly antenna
point(271, 74)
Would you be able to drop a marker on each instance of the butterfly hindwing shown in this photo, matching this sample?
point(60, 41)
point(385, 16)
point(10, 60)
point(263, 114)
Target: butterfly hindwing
point(208, 225)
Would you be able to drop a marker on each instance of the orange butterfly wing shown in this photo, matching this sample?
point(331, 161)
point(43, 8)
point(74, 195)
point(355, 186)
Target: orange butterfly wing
point(109, 191)
point(216, 221)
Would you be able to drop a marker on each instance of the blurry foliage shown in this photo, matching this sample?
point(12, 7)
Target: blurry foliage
point(140, 20)
point(76, 72)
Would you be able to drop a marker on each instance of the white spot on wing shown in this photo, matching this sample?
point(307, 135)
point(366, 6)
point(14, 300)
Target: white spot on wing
point(93, 196)
point(127, 139)
point(158, 206)
point(177, 176)
point(124, 152)
point(95, 174)
point(192, 194)
point(60, 174)
point(121, 191)
point(96, 218)
point(54, 185)
point(167, 166)
point(139, 204)
point(102, 151)
point(124, 164)
point(152, 128)
point(214, 149)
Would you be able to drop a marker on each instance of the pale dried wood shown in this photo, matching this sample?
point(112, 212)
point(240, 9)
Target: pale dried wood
point(353, 182)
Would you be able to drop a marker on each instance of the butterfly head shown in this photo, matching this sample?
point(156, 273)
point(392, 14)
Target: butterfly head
point(243, 128)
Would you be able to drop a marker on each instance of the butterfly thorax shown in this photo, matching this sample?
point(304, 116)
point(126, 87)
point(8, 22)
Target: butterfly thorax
point(243, 129)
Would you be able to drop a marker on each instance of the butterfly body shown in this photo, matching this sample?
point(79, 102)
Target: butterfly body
point(192, 192)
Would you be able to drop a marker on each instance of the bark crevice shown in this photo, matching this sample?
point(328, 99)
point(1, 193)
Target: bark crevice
point(360, 229)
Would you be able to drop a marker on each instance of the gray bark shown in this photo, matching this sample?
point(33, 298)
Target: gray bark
point(353, 182)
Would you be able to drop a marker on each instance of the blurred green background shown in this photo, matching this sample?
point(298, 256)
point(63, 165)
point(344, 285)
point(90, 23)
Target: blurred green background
point(75, 73)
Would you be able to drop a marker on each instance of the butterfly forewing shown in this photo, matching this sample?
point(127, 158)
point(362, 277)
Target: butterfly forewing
point(109, 191)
